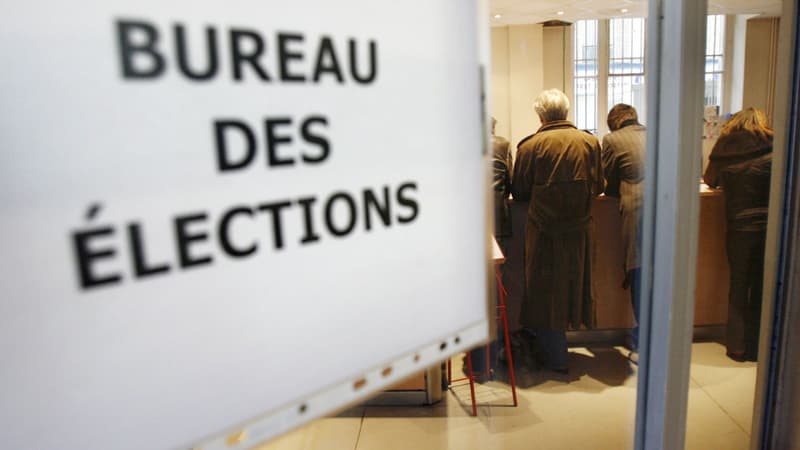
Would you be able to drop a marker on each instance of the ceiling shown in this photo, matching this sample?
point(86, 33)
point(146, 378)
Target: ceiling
point(515, 12)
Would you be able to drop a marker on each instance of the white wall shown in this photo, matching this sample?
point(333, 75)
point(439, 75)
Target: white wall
point(527, 59)
point(517, 78)
point(499, 83)
point(557, 55)
point(761, 58)
point(736, 38)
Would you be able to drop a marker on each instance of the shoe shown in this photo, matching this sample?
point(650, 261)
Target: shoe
point(558, 370)
point(630, 343)
point(542, 364)
point(737, 356)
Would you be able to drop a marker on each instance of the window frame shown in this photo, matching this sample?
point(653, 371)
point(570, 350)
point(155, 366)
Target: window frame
point(603, 75)
point(718, 69)
point(586, 78)
point(642, 110)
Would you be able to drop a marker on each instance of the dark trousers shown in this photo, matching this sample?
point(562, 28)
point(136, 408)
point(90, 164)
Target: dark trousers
point(746, 260)
point(552, 344)
point(635, 279)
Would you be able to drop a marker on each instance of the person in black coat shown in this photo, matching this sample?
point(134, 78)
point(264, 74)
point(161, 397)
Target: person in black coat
point(741, 163)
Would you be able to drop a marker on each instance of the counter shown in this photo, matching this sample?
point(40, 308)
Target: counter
point(613, 303)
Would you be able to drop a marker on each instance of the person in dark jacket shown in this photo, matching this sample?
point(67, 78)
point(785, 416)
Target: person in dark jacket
point(558, 170)
point(623, 167)
point(741, 163)
point(501, 187)
point(501, 184)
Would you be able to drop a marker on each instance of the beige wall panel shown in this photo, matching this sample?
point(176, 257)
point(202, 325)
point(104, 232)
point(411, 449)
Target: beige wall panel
point(526, 81)
point(555, 57)
point(499, 107)
point(761, 51)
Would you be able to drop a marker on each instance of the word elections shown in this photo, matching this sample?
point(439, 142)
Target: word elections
point(338, 215)
point(289, 58)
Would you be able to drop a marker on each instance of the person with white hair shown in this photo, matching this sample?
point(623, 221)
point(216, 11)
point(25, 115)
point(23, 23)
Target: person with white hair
point(558, 171)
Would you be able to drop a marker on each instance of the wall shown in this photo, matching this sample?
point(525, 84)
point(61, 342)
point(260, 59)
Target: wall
point(527, 59)
point(736, 39)
point(499, 107)
point(761, 50)
point(557, 52)
point(517, 78)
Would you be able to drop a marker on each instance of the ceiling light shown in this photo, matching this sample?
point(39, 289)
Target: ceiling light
point(497, 16)
point(623, 10)
point(560, 13)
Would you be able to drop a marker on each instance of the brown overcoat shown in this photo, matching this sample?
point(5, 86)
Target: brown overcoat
point(558, 170)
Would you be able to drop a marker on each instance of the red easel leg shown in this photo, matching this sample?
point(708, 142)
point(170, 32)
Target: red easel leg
point(502, 295)
point(471, 377)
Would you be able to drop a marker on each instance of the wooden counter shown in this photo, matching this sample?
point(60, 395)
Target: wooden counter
point(713, 273)
point(613, 303)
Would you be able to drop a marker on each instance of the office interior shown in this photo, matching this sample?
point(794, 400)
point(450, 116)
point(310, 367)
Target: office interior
point(596, 53)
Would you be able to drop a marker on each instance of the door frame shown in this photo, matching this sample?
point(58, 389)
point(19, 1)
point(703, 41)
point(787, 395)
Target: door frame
point(671, 219)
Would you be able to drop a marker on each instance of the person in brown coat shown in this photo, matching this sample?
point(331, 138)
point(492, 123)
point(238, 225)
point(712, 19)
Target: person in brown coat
point(558, 170)
point(741, 162)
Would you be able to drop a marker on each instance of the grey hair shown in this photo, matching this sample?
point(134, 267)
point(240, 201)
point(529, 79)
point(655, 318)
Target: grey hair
point(551, 105)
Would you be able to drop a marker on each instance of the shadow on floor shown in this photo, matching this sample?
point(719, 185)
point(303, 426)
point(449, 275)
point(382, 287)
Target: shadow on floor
point(607, 365)
point(493, 400)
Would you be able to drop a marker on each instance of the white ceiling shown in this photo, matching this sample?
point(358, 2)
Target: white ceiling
point(514, 12)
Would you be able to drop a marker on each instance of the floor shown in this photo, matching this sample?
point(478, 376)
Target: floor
point(592, 407)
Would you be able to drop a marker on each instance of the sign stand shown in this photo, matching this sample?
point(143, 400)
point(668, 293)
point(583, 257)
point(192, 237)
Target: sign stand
point(498, 258)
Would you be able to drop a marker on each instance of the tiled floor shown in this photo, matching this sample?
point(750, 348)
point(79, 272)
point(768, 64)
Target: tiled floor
point(591, 408)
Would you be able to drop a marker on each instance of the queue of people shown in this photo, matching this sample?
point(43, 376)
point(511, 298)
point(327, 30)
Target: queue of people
point(560, 169)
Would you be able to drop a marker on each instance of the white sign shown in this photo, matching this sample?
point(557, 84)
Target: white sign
point(217, 214)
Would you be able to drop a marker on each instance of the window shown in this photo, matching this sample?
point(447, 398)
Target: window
point(715, 55)
point(626, 63)
point(609, 69)
point(586, 71)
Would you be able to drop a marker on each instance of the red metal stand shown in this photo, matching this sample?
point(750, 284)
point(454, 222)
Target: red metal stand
point(502, 316)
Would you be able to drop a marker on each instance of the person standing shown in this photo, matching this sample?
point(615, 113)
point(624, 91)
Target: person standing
point(623, 166)
point(501, 184)
point(558, 170)
point(741, 162)
point(501, 187)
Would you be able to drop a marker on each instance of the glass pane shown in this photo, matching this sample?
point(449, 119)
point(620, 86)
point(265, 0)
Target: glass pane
point(734, 193)
point(586, 103)
point(713, 89)
point(628, 89)
point(626, 46)
point(715, 35)
point(714, 63)
point(585, 72)
point(585, 39)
